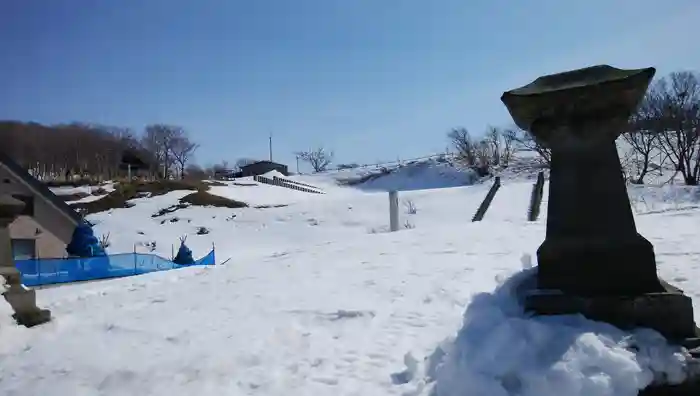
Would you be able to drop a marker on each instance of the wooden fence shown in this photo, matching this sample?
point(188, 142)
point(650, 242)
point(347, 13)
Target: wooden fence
point(283, 183)
point(295, 182)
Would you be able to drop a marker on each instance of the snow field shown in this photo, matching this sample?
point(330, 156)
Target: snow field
point(318, 300)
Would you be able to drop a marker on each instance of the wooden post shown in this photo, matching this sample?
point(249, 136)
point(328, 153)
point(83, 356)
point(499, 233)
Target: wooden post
point(393, 211)
point(481, 211)
point(536, 198)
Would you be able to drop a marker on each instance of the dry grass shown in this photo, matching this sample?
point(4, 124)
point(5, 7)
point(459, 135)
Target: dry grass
point(203, 198)
point(123, 192)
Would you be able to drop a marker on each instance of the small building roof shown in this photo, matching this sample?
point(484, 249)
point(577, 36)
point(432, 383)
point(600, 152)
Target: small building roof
point(262, 162)
point(39, 188)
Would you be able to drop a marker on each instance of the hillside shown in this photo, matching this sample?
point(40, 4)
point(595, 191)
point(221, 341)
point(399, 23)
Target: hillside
point(318, 299)
point(425, 174)
point(350, 204)
point(444, 172)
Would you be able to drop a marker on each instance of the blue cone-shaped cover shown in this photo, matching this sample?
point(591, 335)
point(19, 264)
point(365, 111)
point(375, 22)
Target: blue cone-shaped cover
point(84, 243)
point(184, 255)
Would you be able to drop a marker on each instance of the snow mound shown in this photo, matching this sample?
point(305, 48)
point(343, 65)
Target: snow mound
point(414, 176)
point(274, 173)
point(501, 351)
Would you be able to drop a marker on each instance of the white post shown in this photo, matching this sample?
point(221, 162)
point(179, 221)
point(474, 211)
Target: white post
point(393, 211)
point(128, 167)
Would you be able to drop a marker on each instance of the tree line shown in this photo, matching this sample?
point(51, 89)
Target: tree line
point(666, 127)
point(96, 151)
point(664, 131)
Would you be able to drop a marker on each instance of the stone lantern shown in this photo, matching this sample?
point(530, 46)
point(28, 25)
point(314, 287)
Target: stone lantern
point(593, 261)
point(21, 299)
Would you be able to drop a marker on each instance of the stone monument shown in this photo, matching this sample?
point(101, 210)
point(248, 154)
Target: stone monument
point(593, 261)
point(21, 299)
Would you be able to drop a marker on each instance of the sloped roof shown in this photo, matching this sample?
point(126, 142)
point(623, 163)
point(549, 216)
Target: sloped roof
point(134, 158)
point(267, 162)
point(39, 188)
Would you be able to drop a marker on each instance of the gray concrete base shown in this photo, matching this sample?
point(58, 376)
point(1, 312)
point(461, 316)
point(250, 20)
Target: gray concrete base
point(22, 300)
point(670, 313)
point(688, 388)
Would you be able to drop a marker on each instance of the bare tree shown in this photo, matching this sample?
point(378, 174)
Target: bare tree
point(674, 114)
point(318, 158)
point(508, 143)
point(627, 156)
point(182, 151)
point(464, 146)
point(642, 137)
point(500, 142)
point(526, 141)
point(160, 139)
point(151, 142)
point(484, 156)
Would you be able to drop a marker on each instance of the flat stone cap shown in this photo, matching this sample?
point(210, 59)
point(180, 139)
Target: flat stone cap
point(580, 91)
point(10, 207)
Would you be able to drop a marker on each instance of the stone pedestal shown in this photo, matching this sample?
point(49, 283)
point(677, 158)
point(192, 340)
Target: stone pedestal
point(592, 247)
point(593, 261)
point(21, 299)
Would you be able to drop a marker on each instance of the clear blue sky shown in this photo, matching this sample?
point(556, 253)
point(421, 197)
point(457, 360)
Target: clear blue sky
point(370, 79)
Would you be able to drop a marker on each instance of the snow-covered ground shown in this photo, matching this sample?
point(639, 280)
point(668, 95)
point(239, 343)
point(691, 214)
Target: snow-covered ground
point(317, 299)
point(429, 173)
point(90, 192)
point(107, 186)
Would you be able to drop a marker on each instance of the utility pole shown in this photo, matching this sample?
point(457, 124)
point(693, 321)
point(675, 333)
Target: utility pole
point(270, 146)
point(297, 164)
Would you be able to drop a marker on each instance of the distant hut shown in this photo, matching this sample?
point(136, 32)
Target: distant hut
point(262, 167)
point(133, 163)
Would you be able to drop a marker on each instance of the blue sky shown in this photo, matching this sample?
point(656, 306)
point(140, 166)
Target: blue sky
point(370, 79)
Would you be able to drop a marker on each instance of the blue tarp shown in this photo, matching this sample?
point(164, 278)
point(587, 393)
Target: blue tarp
point(62, 270)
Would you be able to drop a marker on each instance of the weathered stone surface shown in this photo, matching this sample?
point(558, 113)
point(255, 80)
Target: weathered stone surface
point(578, 97)
point(688, 388)
point(24, 304)
point(10, 208)
point(593, 261)
point(668, 313)
point(11, 275)
point(592, 247)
